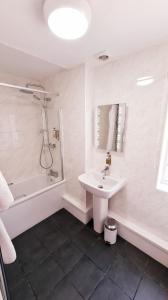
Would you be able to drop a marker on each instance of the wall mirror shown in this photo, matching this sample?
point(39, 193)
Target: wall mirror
point(110, 125)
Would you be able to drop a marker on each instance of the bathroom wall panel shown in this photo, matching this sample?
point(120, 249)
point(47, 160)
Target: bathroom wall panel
point(70, 85)
point(139, 202)
point(85, 87)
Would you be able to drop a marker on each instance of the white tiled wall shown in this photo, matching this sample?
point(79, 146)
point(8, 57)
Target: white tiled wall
point(20, 123)
point(20, 132)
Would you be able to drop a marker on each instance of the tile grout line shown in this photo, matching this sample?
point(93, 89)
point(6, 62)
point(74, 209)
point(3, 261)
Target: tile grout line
point(123, 291)
point(27, 280)
point(138, 286)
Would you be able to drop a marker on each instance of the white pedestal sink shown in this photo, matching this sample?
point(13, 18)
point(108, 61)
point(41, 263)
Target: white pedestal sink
point(102, 188)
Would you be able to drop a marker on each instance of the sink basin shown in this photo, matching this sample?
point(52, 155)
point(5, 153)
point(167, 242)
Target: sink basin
point(99, 185)
point(102, 188)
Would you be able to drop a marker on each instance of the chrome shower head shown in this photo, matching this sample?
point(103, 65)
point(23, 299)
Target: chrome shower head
point(31, 89)
point(34, 85)
point(29, 86)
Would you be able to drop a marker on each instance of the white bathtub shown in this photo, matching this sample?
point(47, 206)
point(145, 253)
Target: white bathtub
point(35, 200)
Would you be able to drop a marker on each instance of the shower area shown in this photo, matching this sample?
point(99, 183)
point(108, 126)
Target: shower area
point(31, 157)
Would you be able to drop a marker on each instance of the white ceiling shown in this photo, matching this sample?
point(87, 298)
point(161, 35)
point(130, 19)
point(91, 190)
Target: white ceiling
point(21, 64)
point(119, 26)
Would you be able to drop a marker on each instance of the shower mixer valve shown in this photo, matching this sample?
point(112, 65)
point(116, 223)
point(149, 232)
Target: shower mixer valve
point(56, 134)
point(53, 173)
point(52, 146)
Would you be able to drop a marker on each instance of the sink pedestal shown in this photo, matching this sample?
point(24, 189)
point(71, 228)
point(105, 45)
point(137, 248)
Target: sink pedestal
point(100, 211)
point(102, 188)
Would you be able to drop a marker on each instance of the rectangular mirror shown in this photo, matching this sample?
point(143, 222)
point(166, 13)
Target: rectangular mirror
point(110, 125)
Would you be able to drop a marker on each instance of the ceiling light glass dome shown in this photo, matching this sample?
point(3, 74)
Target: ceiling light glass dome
point(68, 19)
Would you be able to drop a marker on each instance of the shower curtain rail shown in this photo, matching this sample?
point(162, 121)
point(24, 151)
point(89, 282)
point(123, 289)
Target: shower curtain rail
point(26, 88)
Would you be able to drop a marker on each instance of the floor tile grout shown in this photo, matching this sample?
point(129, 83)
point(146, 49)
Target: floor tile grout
point(138, 287)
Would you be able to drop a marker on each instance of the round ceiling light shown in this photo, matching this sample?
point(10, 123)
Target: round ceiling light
point(68, 19)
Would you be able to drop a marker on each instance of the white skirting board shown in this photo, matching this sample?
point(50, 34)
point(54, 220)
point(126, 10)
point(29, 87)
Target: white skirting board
point(145, 241)
point(76, 209)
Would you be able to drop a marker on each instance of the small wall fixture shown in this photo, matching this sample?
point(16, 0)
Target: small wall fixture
point(68, 19)
point(144, 81)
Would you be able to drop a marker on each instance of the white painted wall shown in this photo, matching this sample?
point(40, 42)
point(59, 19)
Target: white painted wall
point(139, 202)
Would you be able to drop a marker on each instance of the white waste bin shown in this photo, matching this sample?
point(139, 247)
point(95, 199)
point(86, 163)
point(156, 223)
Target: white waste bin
point(110, 231)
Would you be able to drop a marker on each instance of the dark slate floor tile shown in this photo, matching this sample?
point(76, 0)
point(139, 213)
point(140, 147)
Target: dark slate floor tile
point(26, 240)
point(158, 272)
point(23, 291)
point(64, 290)
point(85, 238)
point(43, 228)
point(107, 290)
point(28, 251)
point(54, 240)
point(125, 274)
point(102, 254)
point(139, 258)
point(31, 258)
point(63, 218)
point(85, 277)
point(44, 279)
point(72, 229)
point(61, 245)
point(119, 245)
point(150, 290)
point(90, 224)
point(14, 274)
point(67, 256)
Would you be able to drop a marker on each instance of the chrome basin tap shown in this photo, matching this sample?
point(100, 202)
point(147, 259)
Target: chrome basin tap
point(105, 171)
